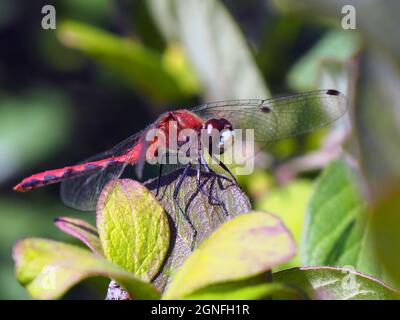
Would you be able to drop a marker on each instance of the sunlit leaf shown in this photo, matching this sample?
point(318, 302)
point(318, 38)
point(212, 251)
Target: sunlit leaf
point(243, 247)
point(133, 228)
point(48, 269)
point(328, 283)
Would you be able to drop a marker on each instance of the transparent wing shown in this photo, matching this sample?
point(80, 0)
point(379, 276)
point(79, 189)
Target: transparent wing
point(279, 118)
point(82, 192)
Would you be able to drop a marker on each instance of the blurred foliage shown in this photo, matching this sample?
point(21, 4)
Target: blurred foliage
point(25, 124)
point(337, 45)
point(337, 229)
point(386, 234)
point(20, 219)
point(289, 203)
point(112, 66)
point(161, 78)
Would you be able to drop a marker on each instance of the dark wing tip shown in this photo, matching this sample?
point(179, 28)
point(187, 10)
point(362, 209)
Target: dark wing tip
point(332, 92)
point(265, 109)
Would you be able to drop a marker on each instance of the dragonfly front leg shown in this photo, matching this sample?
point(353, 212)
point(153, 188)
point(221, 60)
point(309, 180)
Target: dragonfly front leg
point(223, 166)
point(183, 213)
point(213, 173)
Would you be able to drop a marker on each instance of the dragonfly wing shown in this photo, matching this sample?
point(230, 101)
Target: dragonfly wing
point(141, 159)
point(82, 192)
point(279, 118)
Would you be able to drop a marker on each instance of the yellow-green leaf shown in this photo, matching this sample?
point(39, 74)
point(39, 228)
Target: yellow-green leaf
point(241, 248)
point(47, 269)
point(133, 228)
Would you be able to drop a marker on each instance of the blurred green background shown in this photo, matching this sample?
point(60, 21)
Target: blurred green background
point(111, 67)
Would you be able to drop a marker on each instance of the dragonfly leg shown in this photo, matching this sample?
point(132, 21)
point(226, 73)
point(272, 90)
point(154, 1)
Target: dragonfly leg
point(211, 172)
point(215, 174)
point(200, 187)
point(183, 213)
point(223, 166)
point(159, 179)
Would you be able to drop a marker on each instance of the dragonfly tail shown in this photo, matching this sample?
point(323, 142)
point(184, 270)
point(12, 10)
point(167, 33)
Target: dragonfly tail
point(53, 176)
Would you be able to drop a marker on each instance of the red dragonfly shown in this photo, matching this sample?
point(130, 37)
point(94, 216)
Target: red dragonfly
point(272, 119)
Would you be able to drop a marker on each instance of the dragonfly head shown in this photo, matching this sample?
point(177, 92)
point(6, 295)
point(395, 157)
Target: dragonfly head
point(224, 133)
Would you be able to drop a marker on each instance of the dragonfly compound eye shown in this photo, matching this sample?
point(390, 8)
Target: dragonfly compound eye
point(221, 129)
point(217, 124)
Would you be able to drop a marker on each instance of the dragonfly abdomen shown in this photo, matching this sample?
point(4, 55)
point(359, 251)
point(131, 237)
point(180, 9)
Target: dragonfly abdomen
point(53, 176)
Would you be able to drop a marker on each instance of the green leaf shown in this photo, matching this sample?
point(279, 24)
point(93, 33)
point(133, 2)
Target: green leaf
point(289, 204)
point(133, 228)
point(328, 283)
point(258, 287)
point(336, 232)
point(245, 246)
point(81, 230)
point(49, 268)
point(217, 50)
point(141, 67)
point(204, 213)
point(339, 45)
